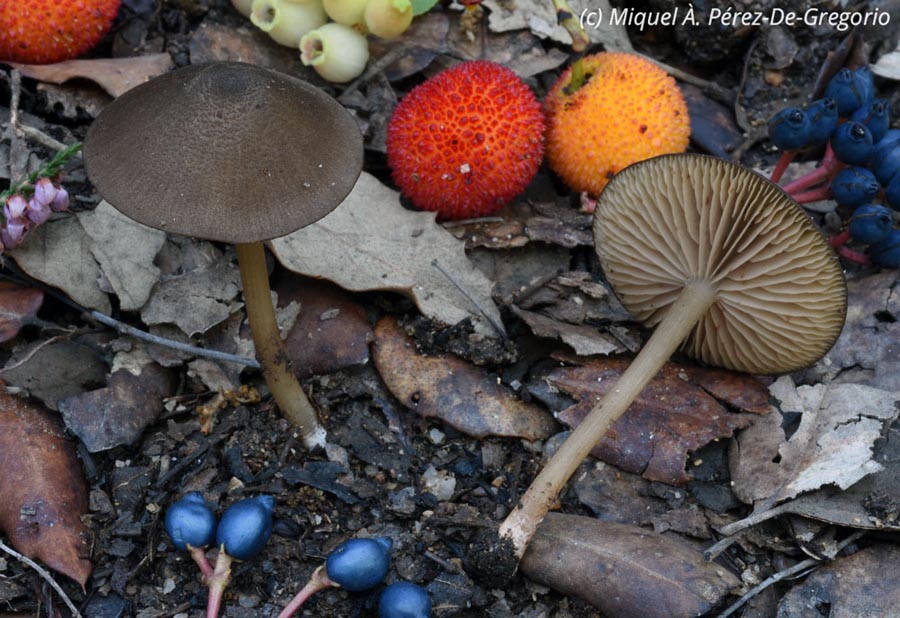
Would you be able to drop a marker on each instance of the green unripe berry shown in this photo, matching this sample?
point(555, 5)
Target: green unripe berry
point(388, 18)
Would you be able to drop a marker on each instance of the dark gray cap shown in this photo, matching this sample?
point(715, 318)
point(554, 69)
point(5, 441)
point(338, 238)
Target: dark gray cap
point(224, 151)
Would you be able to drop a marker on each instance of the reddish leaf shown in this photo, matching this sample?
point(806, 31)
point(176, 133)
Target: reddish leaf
point(446, 387)
point(17, 305)
point(42, 491)
point(624, 571)
point(675, 414)
point(331, 331)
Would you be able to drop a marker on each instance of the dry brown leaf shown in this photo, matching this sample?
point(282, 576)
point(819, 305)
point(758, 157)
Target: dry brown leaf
point(859, 586)
point(584, 340)
point(676, 413)
point(115, 75)
point(832, 446)
point(331, 331)
point(58, 253)
point(17, 305)
point(370, 242)
point(118, 413)
point(446, 387)
point(624, 571)
point(42, 490)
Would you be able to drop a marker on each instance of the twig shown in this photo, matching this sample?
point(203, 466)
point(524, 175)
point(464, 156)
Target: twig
point(493, 321)
point(35, 135)
point(44, 574)
point(169, 343)
point(718, 92)
point(797, 568)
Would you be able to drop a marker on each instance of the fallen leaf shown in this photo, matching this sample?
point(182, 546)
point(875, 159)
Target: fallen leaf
point(871, 504)
point(115, 75)
point(216, 42)
point(370, 242)
point(200, 296)
point(125, 250)
point(677, 412)
point(446, 387)
point(713, 127)
point(53, 371)
point(118, 413)
point(833, 445)
point(524, 222)
point(868, 349)
point(17, 305)
point(58, 253)
point(857, 586)
point(540, 17)
point(331, 331)
point(888, 66)
point(624, 571)
point(584, 340)
point(42, 490)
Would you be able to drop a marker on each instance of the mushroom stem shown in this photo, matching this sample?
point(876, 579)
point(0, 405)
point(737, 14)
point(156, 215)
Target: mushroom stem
point(276, 369)
point(681, 318)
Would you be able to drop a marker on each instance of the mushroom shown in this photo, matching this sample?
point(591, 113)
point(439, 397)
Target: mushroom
point(233, 153)
point(724, 264)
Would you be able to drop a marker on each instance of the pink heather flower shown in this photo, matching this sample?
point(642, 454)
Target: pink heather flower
point(15, 207)
point(13, 232)
point(60, 200)
point(38, 212)
point(44, 191)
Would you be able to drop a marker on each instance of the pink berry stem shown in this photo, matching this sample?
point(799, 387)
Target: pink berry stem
point(318, 581)
point(828, 167)
point(783, 161)
point(217, 583)
point(854, 256)
point(815, 195)
point(199, 556)
point(838, 240)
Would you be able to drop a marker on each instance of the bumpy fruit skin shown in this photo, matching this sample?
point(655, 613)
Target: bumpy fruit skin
point(246, 526)
point(404, 600)
point(190, 522)
point(359, 564)
point(45, 31)
point(628, 110)
point(467, 141)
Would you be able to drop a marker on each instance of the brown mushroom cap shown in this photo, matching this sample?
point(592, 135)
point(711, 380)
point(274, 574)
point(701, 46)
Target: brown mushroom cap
point(781, 297)
point(224, 151)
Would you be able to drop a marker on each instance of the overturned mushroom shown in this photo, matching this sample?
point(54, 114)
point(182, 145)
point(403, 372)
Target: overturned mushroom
point(725, 265)
point(238, 154)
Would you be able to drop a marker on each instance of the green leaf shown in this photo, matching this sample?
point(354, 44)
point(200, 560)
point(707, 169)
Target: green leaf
point(422, 6)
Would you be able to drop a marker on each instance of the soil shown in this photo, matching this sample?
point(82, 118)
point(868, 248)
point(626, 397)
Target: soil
point(371, 479)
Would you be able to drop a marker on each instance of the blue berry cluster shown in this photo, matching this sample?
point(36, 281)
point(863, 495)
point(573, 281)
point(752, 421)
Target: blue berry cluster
point(362, 564)
point(856, 126)
point(244, 529)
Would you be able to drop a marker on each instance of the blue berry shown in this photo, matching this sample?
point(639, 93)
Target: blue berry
point(852, 143)
point(885, 162)
point(870, 224)
point(887, 252)
point(246, 526)
point(790, 128)
point(854, 186)
point(876, 117)
point(892, 192)
point(359, 564)
point(823, 120)
point(850, 90)
point(865, 82)
point(190, 522)
point(404, 600)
